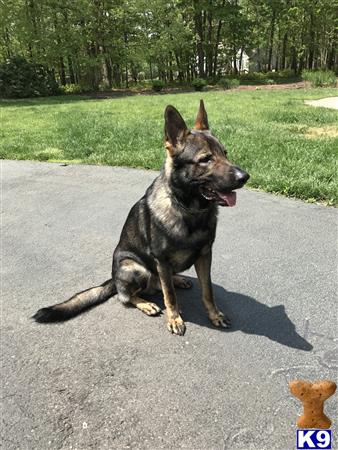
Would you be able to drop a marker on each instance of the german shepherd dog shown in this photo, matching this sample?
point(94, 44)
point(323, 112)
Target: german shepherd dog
point(169, 229)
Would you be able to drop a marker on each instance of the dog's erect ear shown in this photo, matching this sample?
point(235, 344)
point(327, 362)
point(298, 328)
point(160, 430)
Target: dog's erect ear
point(175, 130)
point(202, 118)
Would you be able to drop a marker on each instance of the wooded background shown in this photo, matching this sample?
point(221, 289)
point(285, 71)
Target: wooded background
point(114, 42)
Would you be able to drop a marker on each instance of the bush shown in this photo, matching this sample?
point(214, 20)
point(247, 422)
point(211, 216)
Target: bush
point(253, 76)
point(104, 86)
point(228, 83)
point(198, 84)
point(270, 81)
point(20, 78)
point(158, 85)
point(320, 78)
point(286, 73)
point(70, 89)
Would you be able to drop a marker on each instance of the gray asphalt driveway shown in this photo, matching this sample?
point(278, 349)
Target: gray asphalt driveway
point(116, 379)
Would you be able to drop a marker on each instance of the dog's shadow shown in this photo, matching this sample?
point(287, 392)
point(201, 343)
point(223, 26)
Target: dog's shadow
point(246, 314)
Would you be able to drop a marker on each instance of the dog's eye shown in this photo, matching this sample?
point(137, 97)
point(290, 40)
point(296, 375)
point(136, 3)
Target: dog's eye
point(206, 159)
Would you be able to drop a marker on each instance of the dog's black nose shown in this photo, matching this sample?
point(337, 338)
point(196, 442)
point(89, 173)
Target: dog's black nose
point(240, 175)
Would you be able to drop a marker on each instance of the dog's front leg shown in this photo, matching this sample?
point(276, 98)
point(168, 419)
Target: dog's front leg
point(175, 322)
point(202, 267)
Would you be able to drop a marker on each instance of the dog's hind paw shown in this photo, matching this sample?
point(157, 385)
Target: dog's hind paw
point(219, 320)
point(148, 308)
point(182, 282)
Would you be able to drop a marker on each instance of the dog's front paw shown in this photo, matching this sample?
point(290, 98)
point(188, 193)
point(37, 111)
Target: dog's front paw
point(176, 326)
point(219, 320)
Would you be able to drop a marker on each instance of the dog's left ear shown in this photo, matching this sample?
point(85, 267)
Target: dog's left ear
point(175, 130)
point(201, 122)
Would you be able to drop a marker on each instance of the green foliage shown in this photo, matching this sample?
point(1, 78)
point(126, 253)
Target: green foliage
point(20, 78)
point(228, 83)
point(320, 78)
point(158, 85)
point(199, 84)
point(70, 89)
point(122, 43)
point(258, 77)
point(285, 73)
point(270, 81)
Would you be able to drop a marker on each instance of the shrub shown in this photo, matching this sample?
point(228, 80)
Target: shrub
point(286, 73)
point(254, 76)
point(158, 85)
point(270, 81)
point(198, 84)
point(320, 78)
point(20, 78)
point(228, 83)
point(104, 86)
point(71, 89)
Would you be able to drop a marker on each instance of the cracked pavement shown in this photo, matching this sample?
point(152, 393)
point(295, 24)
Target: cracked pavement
point(114, 378)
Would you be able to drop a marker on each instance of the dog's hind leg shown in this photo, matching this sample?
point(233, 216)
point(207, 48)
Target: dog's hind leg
point(131, 278)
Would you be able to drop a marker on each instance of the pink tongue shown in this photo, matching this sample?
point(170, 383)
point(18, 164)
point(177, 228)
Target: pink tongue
point(230, 199)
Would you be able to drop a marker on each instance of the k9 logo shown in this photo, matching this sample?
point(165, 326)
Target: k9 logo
point(316, 439)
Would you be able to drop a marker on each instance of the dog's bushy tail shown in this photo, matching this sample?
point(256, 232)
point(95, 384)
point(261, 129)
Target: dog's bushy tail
point(76, 304)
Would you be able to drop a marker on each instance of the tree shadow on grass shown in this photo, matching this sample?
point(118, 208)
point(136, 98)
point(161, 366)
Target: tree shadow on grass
point(66, 99)
point(42, 101)
point(246, 314)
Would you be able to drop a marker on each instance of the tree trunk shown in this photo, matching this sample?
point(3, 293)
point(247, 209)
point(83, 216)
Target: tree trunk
point(109, 71)
point(171, 74)
point(179, 69)
point(294, 60)
point(200, 38)
point(311, 42)
point(209, 57)
point(126, 76)
point(117, 74)
point(240, 59)
point(283, 57)
point(272, 34)
point(218, 36)
point(71, 69)
point(234, 55)
point(331, 57)
point(62, 72)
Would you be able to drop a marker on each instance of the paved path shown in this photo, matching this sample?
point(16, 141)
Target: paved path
point(116, 379)
point(329, 102)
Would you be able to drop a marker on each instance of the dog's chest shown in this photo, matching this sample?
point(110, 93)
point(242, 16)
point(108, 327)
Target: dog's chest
point(181, 260)
point(184, 254)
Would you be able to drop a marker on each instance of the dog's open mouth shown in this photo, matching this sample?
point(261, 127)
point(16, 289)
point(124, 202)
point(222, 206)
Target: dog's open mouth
point(228, 199)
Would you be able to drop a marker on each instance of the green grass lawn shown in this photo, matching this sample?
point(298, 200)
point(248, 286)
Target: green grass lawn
point(286, 146)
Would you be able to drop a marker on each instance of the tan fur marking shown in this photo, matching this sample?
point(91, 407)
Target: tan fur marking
point(149, 308)
point(168, 166)
point(202, 266)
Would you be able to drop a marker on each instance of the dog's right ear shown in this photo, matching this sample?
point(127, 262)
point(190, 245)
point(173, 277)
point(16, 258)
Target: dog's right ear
point(175, 131)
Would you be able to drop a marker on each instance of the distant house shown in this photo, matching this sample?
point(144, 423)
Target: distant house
point(242, 61)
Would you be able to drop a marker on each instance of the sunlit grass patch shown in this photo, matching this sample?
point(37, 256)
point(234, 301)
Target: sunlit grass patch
point(288, 147)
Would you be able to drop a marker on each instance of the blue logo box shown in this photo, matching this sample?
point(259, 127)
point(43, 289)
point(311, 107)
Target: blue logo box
point(314, 439)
